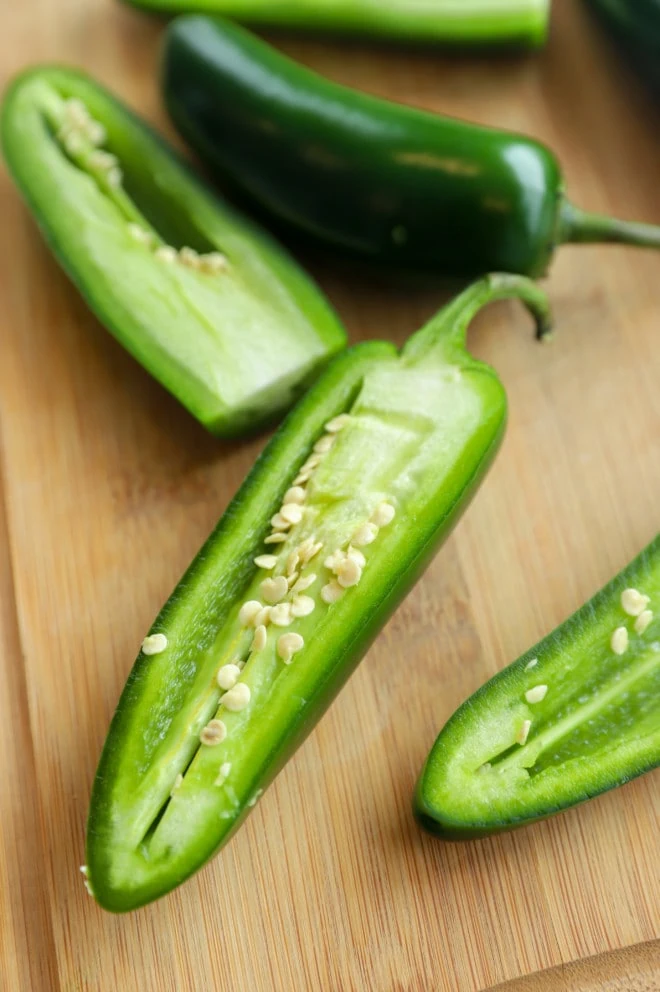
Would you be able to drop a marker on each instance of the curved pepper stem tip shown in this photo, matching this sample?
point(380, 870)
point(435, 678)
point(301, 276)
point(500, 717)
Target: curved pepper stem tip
point(447, 330)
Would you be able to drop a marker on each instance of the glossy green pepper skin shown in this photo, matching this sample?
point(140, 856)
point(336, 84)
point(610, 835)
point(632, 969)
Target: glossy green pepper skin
point(466, 22)
point(373, 495)
point(388, 182)
point(208, 303)
point(573, 717)
point(635, 28)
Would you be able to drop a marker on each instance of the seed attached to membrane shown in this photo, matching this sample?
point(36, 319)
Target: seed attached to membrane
point(643, 621)
point(274, 590)
point(294, 495)
point(383, 515)
point(260, 638)
point(536, 694)
point(349, 573)
point(305, 582)
point(324, 444)
point(266, 561)
point(139, 234)
point(154, 644)
point(262, 618)
point(366, 534)
point(248, 612)
point(338, 423)
point(228, 676)
point(164, 253)
point(619, 640)
point(523, 733)
point(634, 602)
point(280, 615)
point(292, 513)
point(356, 556)
point(288, 645)
point(331, 592)
point(302, 606)
point(213, 733)
point(275, 539)
point(237, 698)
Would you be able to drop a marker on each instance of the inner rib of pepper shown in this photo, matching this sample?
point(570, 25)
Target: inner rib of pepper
point(202, 296)
point(370, 481)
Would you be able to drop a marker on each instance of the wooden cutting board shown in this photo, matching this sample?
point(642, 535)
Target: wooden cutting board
point(108, 488)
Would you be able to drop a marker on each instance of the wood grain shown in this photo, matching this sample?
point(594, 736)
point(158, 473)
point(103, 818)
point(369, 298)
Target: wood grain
point(108, 489)
point(632, 969)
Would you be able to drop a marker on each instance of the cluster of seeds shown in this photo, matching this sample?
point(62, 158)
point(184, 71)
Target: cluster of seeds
point(78, 131)
point(283, 596)
point(634, 604)
point(211, 263)
point(346, 566)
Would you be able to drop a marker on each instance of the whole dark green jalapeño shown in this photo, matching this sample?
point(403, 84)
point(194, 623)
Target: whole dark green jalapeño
point(388, 182)
point(573, 717)
point(334, 524)
point(203, 299)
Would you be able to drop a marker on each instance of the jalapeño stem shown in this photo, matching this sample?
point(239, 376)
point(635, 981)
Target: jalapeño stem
point(445, 334)
point(581, 227)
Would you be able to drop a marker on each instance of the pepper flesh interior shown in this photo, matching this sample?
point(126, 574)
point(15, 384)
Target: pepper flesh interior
point(402, 424)
point(597, 725)
point(234, 343)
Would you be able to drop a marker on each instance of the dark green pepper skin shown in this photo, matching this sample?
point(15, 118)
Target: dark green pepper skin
point(420, 429)
point(236, 346)
point(596, 727)
point(391, 183)
point(634, 26)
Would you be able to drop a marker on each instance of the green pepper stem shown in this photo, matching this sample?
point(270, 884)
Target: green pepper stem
point(446, 333)
point(580, 227)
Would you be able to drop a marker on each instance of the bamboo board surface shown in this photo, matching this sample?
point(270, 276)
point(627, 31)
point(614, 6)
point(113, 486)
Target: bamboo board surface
point(107, 489)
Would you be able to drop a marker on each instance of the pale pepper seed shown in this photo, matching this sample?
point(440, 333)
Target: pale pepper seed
point(213, 733)
point(154, 644)
point(537, 694)
point(228, 676)
point(237, 698)
point(260, 638)
point(643, 621)
point(634, 602)
point(288, 645)
point(619, 641)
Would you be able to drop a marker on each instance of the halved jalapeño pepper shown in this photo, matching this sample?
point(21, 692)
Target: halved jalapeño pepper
point(208, 303)
point(573, 717)
point(333, 525)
